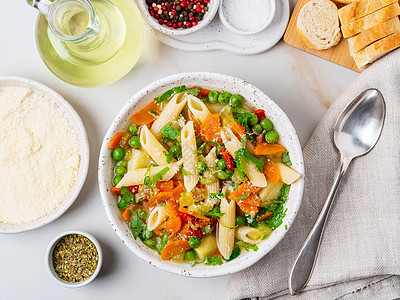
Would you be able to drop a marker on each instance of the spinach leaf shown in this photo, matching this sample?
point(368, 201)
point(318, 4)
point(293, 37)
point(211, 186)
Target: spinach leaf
point(161, 242)
point(250, 220)
point(214, 213)
point(246, 246)
point(142, 214)
point(247, 157)
point(150, 243)
point(169, 156)
point(235, 253)
point(137, 225)
point(286, 159)
point(217, 196)
point(213, 260)
point(145, 235)
point(243, 119)
point(193, 91)
point(169, 133)
point(169, 93)
point(276, 218)
point(126, 197)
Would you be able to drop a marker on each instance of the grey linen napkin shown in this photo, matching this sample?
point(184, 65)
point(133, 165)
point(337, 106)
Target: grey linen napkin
point(359, 256)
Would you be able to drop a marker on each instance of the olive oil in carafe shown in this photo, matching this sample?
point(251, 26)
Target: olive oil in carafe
point(105, 55)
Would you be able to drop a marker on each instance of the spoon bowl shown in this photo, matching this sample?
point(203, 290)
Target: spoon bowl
point(356, 132)
point(359, 126)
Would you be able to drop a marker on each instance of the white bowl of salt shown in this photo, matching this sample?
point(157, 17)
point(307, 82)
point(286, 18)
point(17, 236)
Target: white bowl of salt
point(247, 17)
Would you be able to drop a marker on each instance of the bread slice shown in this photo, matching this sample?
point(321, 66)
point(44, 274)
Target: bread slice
point(318, 24)
point(345, 1)
point(375, 51)
point(360, 9)
point(373, 34)
point(381, 15)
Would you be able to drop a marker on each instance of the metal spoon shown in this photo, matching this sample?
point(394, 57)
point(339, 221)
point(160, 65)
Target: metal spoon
point(356, 132)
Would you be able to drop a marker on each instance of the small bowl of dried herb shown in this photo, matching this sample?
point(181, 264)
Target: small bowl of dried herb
point(74, 258)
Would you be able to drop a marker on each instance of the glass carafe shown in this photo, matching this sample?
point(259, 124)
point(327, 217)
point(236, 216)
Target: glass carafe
point(89, 43)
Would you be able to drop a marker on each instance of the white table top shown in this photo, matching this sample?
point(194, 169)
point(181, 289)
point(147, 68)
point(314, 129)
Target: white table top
point(303, 85)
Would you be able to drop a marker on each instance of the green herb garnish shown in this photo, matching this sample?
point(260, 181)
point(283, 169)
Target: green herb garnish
point(169, 156)
point(153, 112)
point(159, 176)
point(185, 173)
point(279, 213)
point(212, 261)
point(137, 225)
point(244, 196)
point(193, 91)
point(235, 253)
point(243, 119)
point(247, 157)
point(246, 246)
point(216, 196)
point(201, 148)
point(142, 214)
point(161, 242)
point(286, 159)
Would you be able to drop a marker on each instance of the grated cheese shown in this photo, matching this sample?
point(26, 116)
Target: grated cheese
point(39, 155)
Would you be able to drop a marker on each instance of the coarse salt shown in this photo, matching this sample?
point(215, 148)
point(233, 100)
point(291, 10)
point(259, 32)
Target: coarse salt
point(247, 15)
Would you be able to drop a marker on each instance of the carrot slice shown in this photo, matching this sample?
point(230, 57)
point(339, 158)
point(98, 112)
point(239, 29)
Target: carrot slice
point(172, 207)
point(265, 216)
point(126, 214)
point(211, 129)
point(248, 209)
point(174, 248)
point(158, 198)
point(115, 190)
point(193, 214)
point(245, 187)
point(269, 149)
point(114, 142)
point(271, 171)
point(238, 129)
point(172, 226)
point(177, 192)
point(143, 116)
point(165, 186)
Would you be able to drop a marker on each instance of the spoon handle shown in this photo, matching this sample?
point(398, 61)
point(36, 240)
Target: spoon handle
point(305, 261)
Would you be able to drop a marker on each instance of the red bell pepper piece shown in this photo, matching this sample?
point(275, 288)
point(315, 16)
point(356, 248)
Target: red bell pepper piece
point(260, 113)
point(228, 159)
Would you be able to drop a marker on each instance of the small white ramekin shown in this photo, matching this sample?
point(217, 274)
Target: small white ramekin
point(235, 30)
point(50, 266)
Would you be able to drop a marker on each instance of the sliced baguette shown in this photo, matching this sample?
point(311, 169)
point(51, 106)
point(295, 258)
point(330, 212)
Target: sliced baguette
point(373, 34)
point(376, 50)
point(345, 1)
point(318, 24)
point(360, 9)
point(382, 15)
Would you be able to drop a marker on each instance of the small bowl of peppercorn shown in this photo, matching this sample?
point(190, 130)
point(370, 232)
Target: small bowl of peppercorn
point(178, 17)
point(74, 258)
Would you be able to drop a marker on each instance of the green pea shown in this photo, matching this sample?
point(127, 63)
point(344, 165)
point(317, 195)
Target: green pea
point(133, 129)
point(199, 141)
point(206, 181)
point(224, 97)
point(122, 163)
point(190, 254)
point(253, 120)
point(257, 129)
point(240, 221)
point(236, 100)
point(118, 153)
point(134, 142)
point(221, 164)
point(194, 242)
point(201, 167)
point(120, 170)
point(117, 179)
point(222, 175)
point(266, 124)
point(229, 172)
point(213, 97)
point(271, 136)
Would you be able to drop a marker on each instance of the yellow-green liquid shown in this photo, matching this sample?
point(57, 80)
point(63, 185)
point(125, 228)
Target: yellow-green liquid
point(98, 60)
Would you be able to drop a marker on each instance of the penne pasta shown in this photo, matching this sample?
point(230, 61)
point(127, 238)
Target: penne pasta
point(136, 176)
point(198, 108)
point(169, 113)
point(249, 235)
point(288, 175)
point(153, 147)
point(232, 144)
point(226, 227)
point(270, 193)
point(156, 217)
point(189, 156)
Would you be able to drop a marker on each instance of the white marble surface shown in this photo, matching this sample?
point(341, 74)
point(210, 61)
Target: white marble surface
point(303, 85)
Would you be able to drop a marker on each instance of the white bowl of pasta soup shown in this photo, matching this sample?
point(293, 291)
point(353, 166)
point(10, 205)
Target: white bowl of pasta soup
point(129, 221)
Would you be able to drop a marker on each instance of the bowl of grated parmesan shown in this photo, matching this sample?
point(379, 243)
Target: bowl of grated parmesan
point(44, 147)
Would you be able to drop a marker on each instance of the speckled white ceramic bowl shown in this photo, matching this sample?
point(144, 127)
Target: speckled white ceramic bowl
point(154, 25)
point(49, 259)
point(77, 124)
point(219, 82)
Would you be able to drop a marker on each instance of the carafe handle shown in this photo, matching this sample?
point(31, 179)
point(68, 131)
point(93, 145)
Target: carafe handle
point(42, 5)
